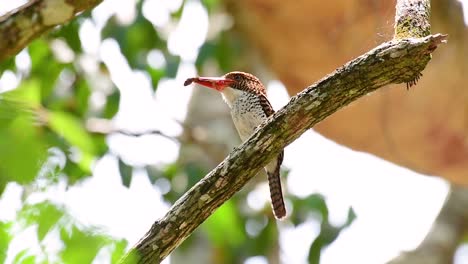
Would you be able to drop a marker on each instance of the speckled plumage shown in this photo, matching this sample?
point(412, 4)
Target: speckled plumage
point(250, 108)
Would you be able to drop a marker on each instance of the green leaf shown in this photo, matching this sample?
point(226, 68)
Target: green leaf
point(44, 214)
point(69, 32)
point(28, 94)
point(39, 52)
point(216, 226)
point(135, 40)
point(194, 172)
point(315, 251)
point(47, 219)
point(75, 169)
point(351, 217)
point(154, 173)
point(72, 130)
point(178, 13)
point(100, 144)
point(316, 202)
point(171, 170)
point(75, 172)
point(112, 104)
point(225, 49)
point(22, 151)
point(328, 233)
point(11, 110)
point(80, 246)
point(29, 260)
point(265, 241)
point(8, 64)
point(156, 75)
point(85, 162)
point(83, 91)
point(119, 250)
point(125, 173)
point(44, 67)
point(311, 205)
point(23, 257)
point(206, 52)
point(210, 5)
point(5, 239)
point(172, 65)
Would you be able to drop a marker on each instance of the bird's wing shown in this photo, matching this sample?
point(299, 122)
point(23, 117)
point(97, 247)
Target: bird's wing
point(273, 172)
point(266, 106)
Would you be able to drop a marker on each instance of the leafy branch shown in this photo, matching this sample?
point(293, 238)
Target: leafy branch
point(22, 25)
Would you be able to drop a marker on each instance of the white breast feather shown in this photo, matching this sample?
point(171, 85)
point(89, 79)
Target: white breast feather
point(230, 95)
point(246, 115)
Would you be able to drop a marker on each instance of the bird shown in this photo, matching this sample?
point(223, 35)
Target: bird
point(246, 96)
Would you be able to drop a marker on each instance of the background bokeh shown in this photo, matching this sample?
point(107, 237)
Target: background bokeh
point(98, 137)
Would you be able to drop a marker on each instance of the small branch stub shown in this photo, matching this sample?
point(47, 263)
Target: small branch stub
point(412, 19)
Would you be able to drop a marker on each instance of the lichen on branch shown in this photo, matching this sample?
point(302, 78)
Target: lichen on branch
point(412, 18)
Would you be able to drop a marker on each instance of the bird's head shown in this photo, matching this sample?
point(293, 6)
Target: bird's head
point(231, 85)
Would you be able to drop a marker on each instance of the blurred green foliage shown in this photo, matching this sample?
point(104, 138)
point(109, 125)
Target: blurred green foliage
point(50, 109)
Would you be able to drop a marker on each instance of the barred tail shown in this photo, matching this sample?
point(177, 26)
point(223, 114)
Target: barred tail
point(276, 193)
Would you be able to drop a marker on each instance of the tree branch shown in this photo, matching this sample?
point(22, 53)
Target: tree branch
point(392, 62)
point(396, 61)
point(24, 24)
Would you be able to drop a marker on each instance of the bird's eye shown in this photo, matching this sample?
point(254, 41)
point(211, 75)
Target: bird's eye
point(237, 78)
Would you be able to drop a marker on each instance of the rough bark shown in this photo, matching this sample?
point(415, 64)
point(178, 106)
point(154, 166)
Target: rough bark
point(22, 25)
point(448, 231)
point(398, 61)
point(424, 130)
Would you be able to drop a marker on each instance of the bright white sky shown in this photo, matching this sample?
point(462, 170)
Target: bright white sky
point(391, 218)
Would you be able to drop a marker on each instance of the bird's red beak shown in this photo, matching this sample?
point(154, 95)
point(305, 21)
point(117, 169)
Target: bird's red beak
point(217, 83)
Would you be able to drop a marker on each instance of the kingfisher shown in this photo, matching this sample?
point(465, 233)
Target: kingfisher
point(246, 96)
